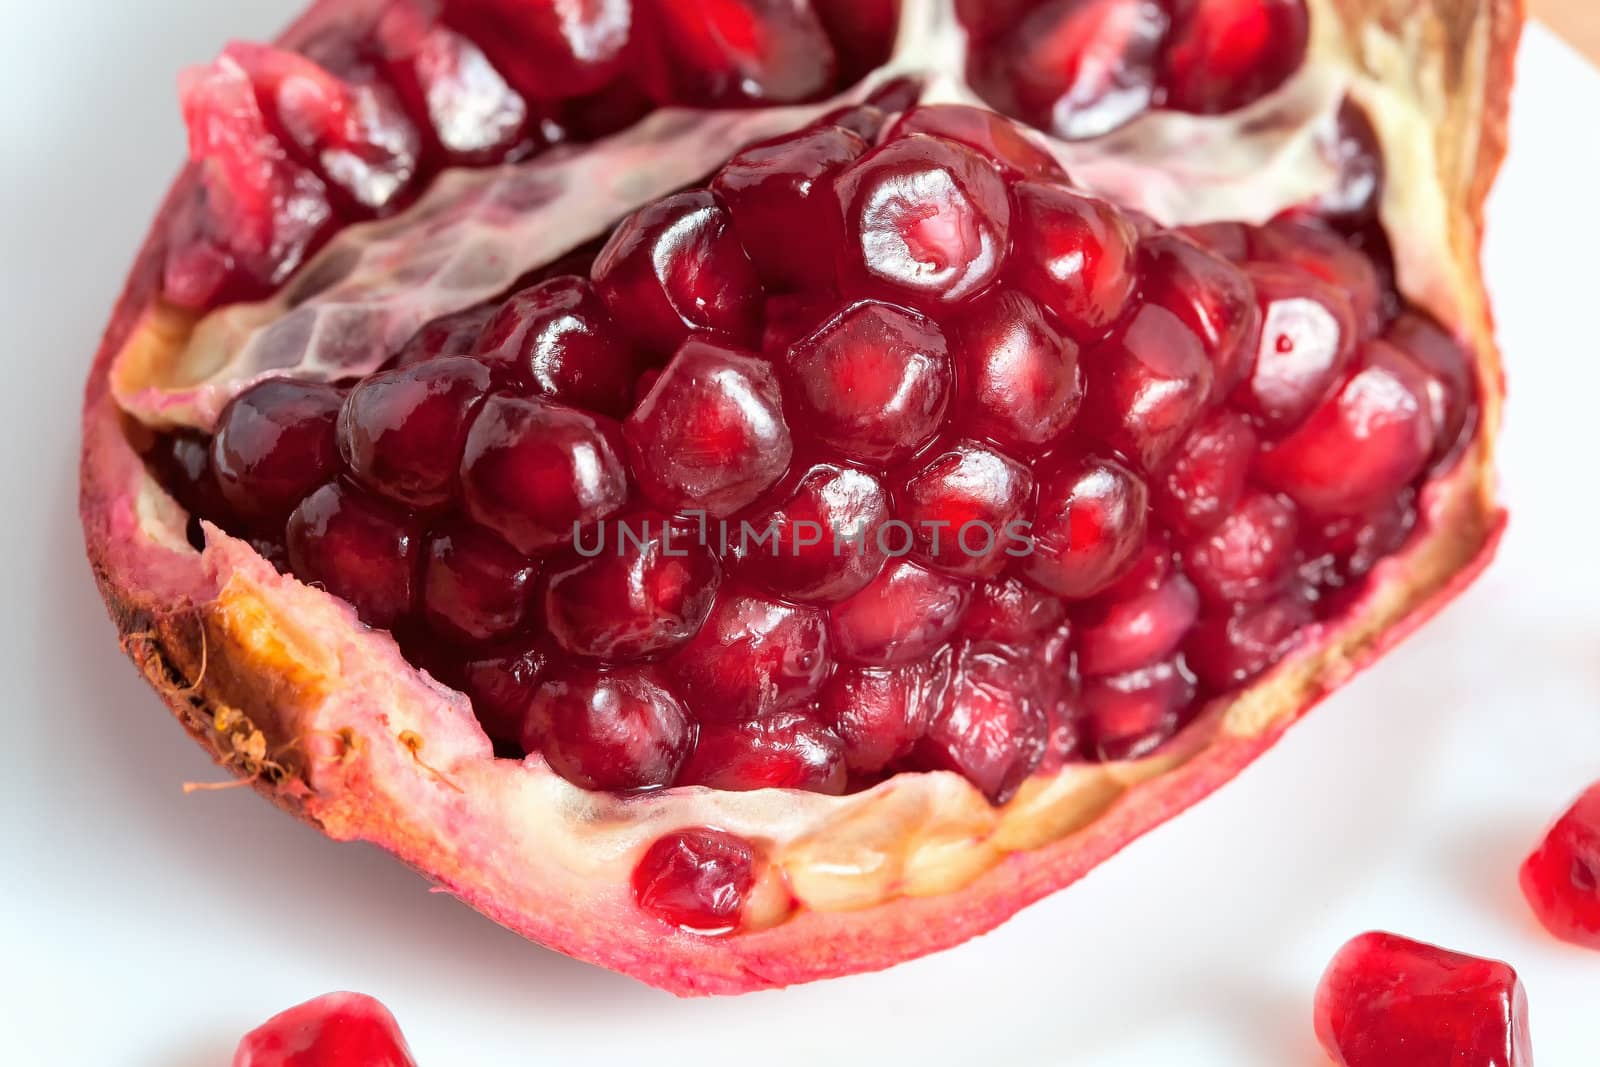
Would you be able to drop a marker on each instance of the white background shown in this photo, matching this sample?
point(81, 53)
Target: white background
point(139, 926)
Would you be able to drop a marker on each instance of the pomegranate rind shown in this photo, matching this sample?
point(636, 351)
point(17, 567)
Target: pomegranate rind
point(280, 683)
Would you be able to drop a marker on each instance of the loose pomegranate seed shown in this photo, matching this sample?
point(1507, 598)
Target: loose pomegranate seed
point(558, 339)
point(1021, 379)
point(991, 727)
point(635, 587)
point(402, 432)
point(965, 508)
point(1363, 445)
point(1128, 716)
point(925, 218)
point(785, 751)
point(1149, 382)
point(1212, 297)
point(696, 878)
point(821, 544)
point(1307, 243)
point(1449, 370)
point(1089, 525)
point(358, 548)
point(754, 657)
point(1224, 54)
point(275, 443)
point(710, 433)
point(881, 712)
point(1074, 255)
point(1308, 336)
point(533, 472)
point(674, 267)
point(474, 586)
point(548, 49)
point(1249, 555)
point(452, 335)
point(1229, 649)
point(872, 384)
point(903, 615)
point(727, 52)
point(1206, 476)
point(1386, 1001)
point(1011, 611)
point(1018, 157)
point(779, 195)
point(502, 682)
point(617, 729)
point(333, 1030)
point(1561, 879)
point(1125, 633)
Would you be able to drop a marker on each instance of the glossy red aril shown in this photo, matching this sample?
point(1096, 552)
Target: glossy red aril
point(881, 712)
point(677, 266)
point(333, 1030)
point(452, 335)
point(1074, 255)
point(753, 657)
point(619, 729)
point(401, 432)
point(1343, 549)
point(779, 194)
point(1249, 554)
point(824, 542)
point(784, 751)
point(1449, 370)
point(1116, 634)
point(1012, 611)
point(557, 339)
point(1561, 879)
point(1021, 380)
point(358, 548)
point(535, 472)
point(992, 725)
point(1386, 1001)
point(276, 442)
point(474, 586)
point(182, 463)
point(632, 588)
point(548, 49)
point(871, 384)
point(1203, 481)
point(1130, 715)
point(993, 136)
point(925, 219)
point(502, 681)
point(1307, 243)
point(1148, 385)
point(1212, 297)
point(903, 615)
point(710, 434)
point(697, 878)
point(1308, 336)
point(1089, 524)
point(1351, 145)
point(1223, 54)
point(728, 52)
point(1229, 648)
point(965, 508)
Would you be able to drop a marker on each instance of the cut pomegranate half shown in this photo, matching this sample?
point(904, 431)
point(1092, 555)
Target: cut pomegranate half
point(786, 538)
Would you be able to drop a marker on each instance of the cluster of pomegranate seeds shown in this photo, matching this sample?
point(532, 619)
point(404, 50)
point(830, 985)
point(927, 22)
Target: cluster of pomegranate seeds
point(1386, 1001)
point(290, 146)
point(1561, 879)
point(333, 1030)
point(977, 476)
point(1082, 68)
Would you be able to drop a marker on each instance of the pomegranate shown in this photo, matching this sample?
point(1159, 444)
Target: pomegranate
point(1561, 879)
point(1386, 1001)
point(802, 520)
point(333, 1030)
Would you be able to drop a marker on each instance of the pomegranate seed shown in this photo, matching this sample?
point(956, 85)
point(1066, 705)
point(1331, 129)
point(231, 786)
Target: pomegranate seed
point(754, 657)
point(966, 508)
point(1346, 548)
point(863, 120)
point(1351, 145)
point(402, 432)
point(1128, 716)
point(696, 879)
point(1449, 370)
point(548, 49)
point(474, 586)
point(1561, 879)
point(1089, 525)
point(1363, 445)
point(358, 548)
point(182, 463)
point(821, 544)
point(1074, 255)
point(1149, 384)
point(862, 31)
point(881, 712)
point(645, 592)
point(1224, 54)
point(616, 729)
point(333, 1030)
point(275, 443)
point(676, 266)
point(534, 472)
point(924, 218)
point(991, 728)
point(1306, 243)
point(1123, 634)
point(1011, 612)
point(1230, 240)
point(1205, 479)
point(502, 682)
point(985, 19)
point(998, 139)
point(710, 433)
point(452, 335)
point(1249, 555)
point(779, 196)
point(872, 383)
point(785, 751)
point(1386, 1001)
point(1212, 297)
point(718, 53)
point(1308, 336)
point(558, 338)
point(1227, 650)
point(903, 615)
point(1021, 378)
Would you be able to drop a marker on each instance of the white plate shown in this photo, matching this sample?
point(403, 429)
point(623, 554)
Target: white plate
point(140, 926)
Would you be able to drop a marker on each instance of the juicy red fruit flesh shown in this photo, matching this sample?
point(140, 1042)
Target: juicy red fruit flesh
point(1561, 879)
point(698, 879)
point(1386, 1001)
point(333, 1030)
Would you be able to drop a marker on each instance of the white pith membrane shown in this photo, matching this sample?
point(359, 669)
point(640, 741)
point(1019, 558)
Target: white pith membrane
point(402, 759)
